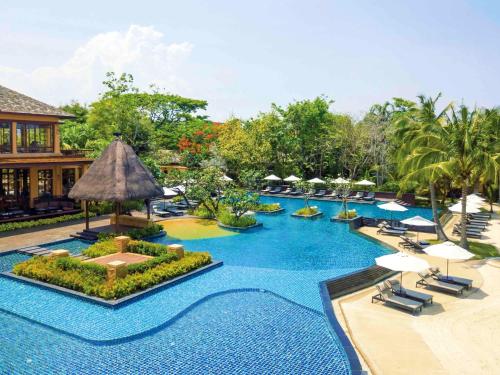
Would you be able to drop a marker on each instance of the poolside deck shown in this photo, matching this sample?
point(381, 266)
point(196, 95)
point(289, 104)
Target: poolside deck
point(453, 336)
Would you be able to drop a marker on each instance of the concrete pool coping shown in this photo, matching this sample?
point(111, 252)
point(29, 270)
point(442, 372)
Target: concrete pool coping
point(120, 302)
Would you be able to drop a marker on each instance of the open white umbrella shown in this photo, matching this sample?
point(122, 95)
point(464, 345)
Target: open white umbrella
point(292, 178)
point(402, 262)
point(167, 192)
point(392, 206)
point(316, 181)
point(418, 221)
point(272, 177)
point(475, 198)
point(179, 188)
point(469, 208)
point(340, 180)
point(227, 178)
point(448, 250)
point(364, 183)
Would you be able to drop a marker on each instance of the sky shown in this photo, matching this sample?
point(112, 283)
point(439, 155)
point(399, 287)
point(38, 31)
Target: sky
point(241, 56)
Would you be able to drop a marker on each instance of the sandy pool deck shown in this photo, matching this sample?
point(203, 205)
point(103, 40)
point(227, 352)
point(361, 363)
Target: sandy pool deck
point(455, 335)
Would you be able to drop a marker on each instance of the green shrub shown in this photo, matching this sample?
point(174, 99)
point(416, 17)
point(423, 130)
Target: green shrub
point(227, 218)
point(202, 212)
point(135, 234)
point(351, 214)
point(267, 207)
point(91, 278)
point(36, 223)
point(147, 248)
point(104, 208)
point(151, 263)
point(307, 211)
point(100, 249)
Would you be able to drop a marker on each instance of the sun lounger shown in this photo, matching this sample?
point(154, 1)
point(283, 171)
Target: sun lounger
point(480, 215)
point(320, 193)
point(174, 211)
point(369, 196)
point(428, 281)
point(333, 194)
point(393, 227)
point(386, 295)
point(408, 293)
point(468, 233)
point(296, 192)
point(450, 279)
point(359, 195)
point(473, 225)
point(266, 189)
point(390, 232)
point(286, 191)
point(159, 212)
point(276, 190)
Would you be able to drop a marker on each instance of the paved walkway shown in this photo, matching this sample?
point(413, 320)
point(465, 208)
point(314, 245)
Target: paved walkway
point(454, 336)
point(36, 236)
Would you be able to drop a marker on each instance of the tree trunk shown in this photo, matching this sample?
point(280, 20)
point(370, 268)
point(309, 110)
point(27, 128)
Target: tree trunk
point(439, 229)
point(463, 227)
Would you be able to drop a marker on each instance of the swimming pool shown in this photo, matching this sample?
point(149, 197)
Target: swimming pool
point(259, 313)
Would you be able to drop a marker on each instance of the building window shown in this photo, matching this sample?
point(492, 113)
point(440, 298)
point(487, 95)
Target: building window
point(7, 180)
point(45, 182)
point(35, 138)
point(68, 180)
point(5, 138)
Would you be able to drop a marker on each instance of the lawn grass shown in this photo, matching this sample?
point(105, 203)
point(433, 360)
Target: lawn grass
point(481, 250)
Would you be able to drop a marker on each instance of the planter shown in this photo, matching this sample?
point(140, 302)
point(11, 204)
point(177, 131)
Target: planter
point(318, 214)
point(238, 229)
point(336, 218)
point(270, 212)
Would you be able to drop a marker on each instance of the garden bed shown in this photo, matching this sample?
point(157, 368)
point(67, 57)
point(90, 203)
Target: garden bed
point(336, 218)
point(317, 214)
point(270, 212)
point(92, 279)
point(239, 229)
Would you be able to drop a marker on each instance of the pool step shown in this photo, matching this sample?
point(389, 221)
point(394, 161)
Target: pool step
point(33, 250)
point(86, 235)
point(358, 280)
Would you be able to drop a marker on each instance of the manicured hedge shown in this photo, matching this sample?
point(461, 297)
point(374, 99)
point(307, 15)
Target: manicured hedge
point(100, 249)
point(135, 234)
point(36, 223)
point(267, 207)
point(90, 278)
point(307, 211)
point(147, 248)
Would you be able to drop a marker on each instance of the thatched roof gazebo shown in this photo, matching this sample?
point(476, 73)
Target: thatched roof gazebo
point(117, 176)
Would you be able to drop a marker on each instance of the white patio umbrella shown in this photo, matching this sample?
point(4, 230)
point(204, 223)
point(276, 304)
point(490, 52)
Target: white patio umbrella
point(340, 180)
point(469, 208)
point(167, 192)
point(364, 183)
point(402, 262)
point(316, 181)
point(418, 221)
point(179, 188)
point(392, 206)
point(448, 250)
point(475, 198)
point(272, 177)
point(227, 178)
point(292, 178)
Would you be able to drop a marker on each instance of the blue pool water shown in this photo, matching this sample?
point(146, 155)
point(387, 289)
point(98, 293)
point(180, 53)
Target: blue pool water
point(74, 246)
point(210, 324)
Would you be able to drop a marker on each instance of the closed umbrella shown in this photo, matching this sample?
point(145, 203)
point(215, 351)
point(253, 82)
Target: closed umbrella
point(448, 250)
point(392, 206)
point(418, 221)
point(402, 262)
point(364, 183)
point(316, 181)
point(292, 178)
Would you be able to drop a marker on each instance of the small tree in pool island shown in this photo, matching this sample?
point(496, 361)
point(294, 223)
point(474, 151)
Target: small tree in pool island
point(344, 190)
point(307, 210)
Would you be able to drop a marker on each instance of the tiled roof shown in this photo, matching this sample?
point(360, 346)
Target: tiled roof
point(14, 102)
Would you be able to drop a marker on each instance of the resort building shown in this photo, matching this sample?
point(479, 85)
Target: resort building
point(35, 173)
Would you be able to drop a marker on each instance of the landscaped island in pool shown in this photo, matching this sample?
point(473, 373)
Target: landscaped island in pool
point(260, 312)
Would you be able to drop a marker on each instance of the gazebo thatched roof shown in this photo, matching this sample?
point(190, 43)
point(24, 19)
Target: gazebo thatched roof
point(117, 176)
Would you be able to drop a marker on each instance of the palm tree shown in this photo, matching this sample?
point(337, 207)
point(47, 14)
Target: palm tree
point(457, 147)
point(410, 125)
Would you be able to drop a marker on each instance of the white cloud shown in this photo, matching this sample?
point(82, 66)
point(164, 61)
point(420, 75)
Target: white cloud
point(140, 51)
